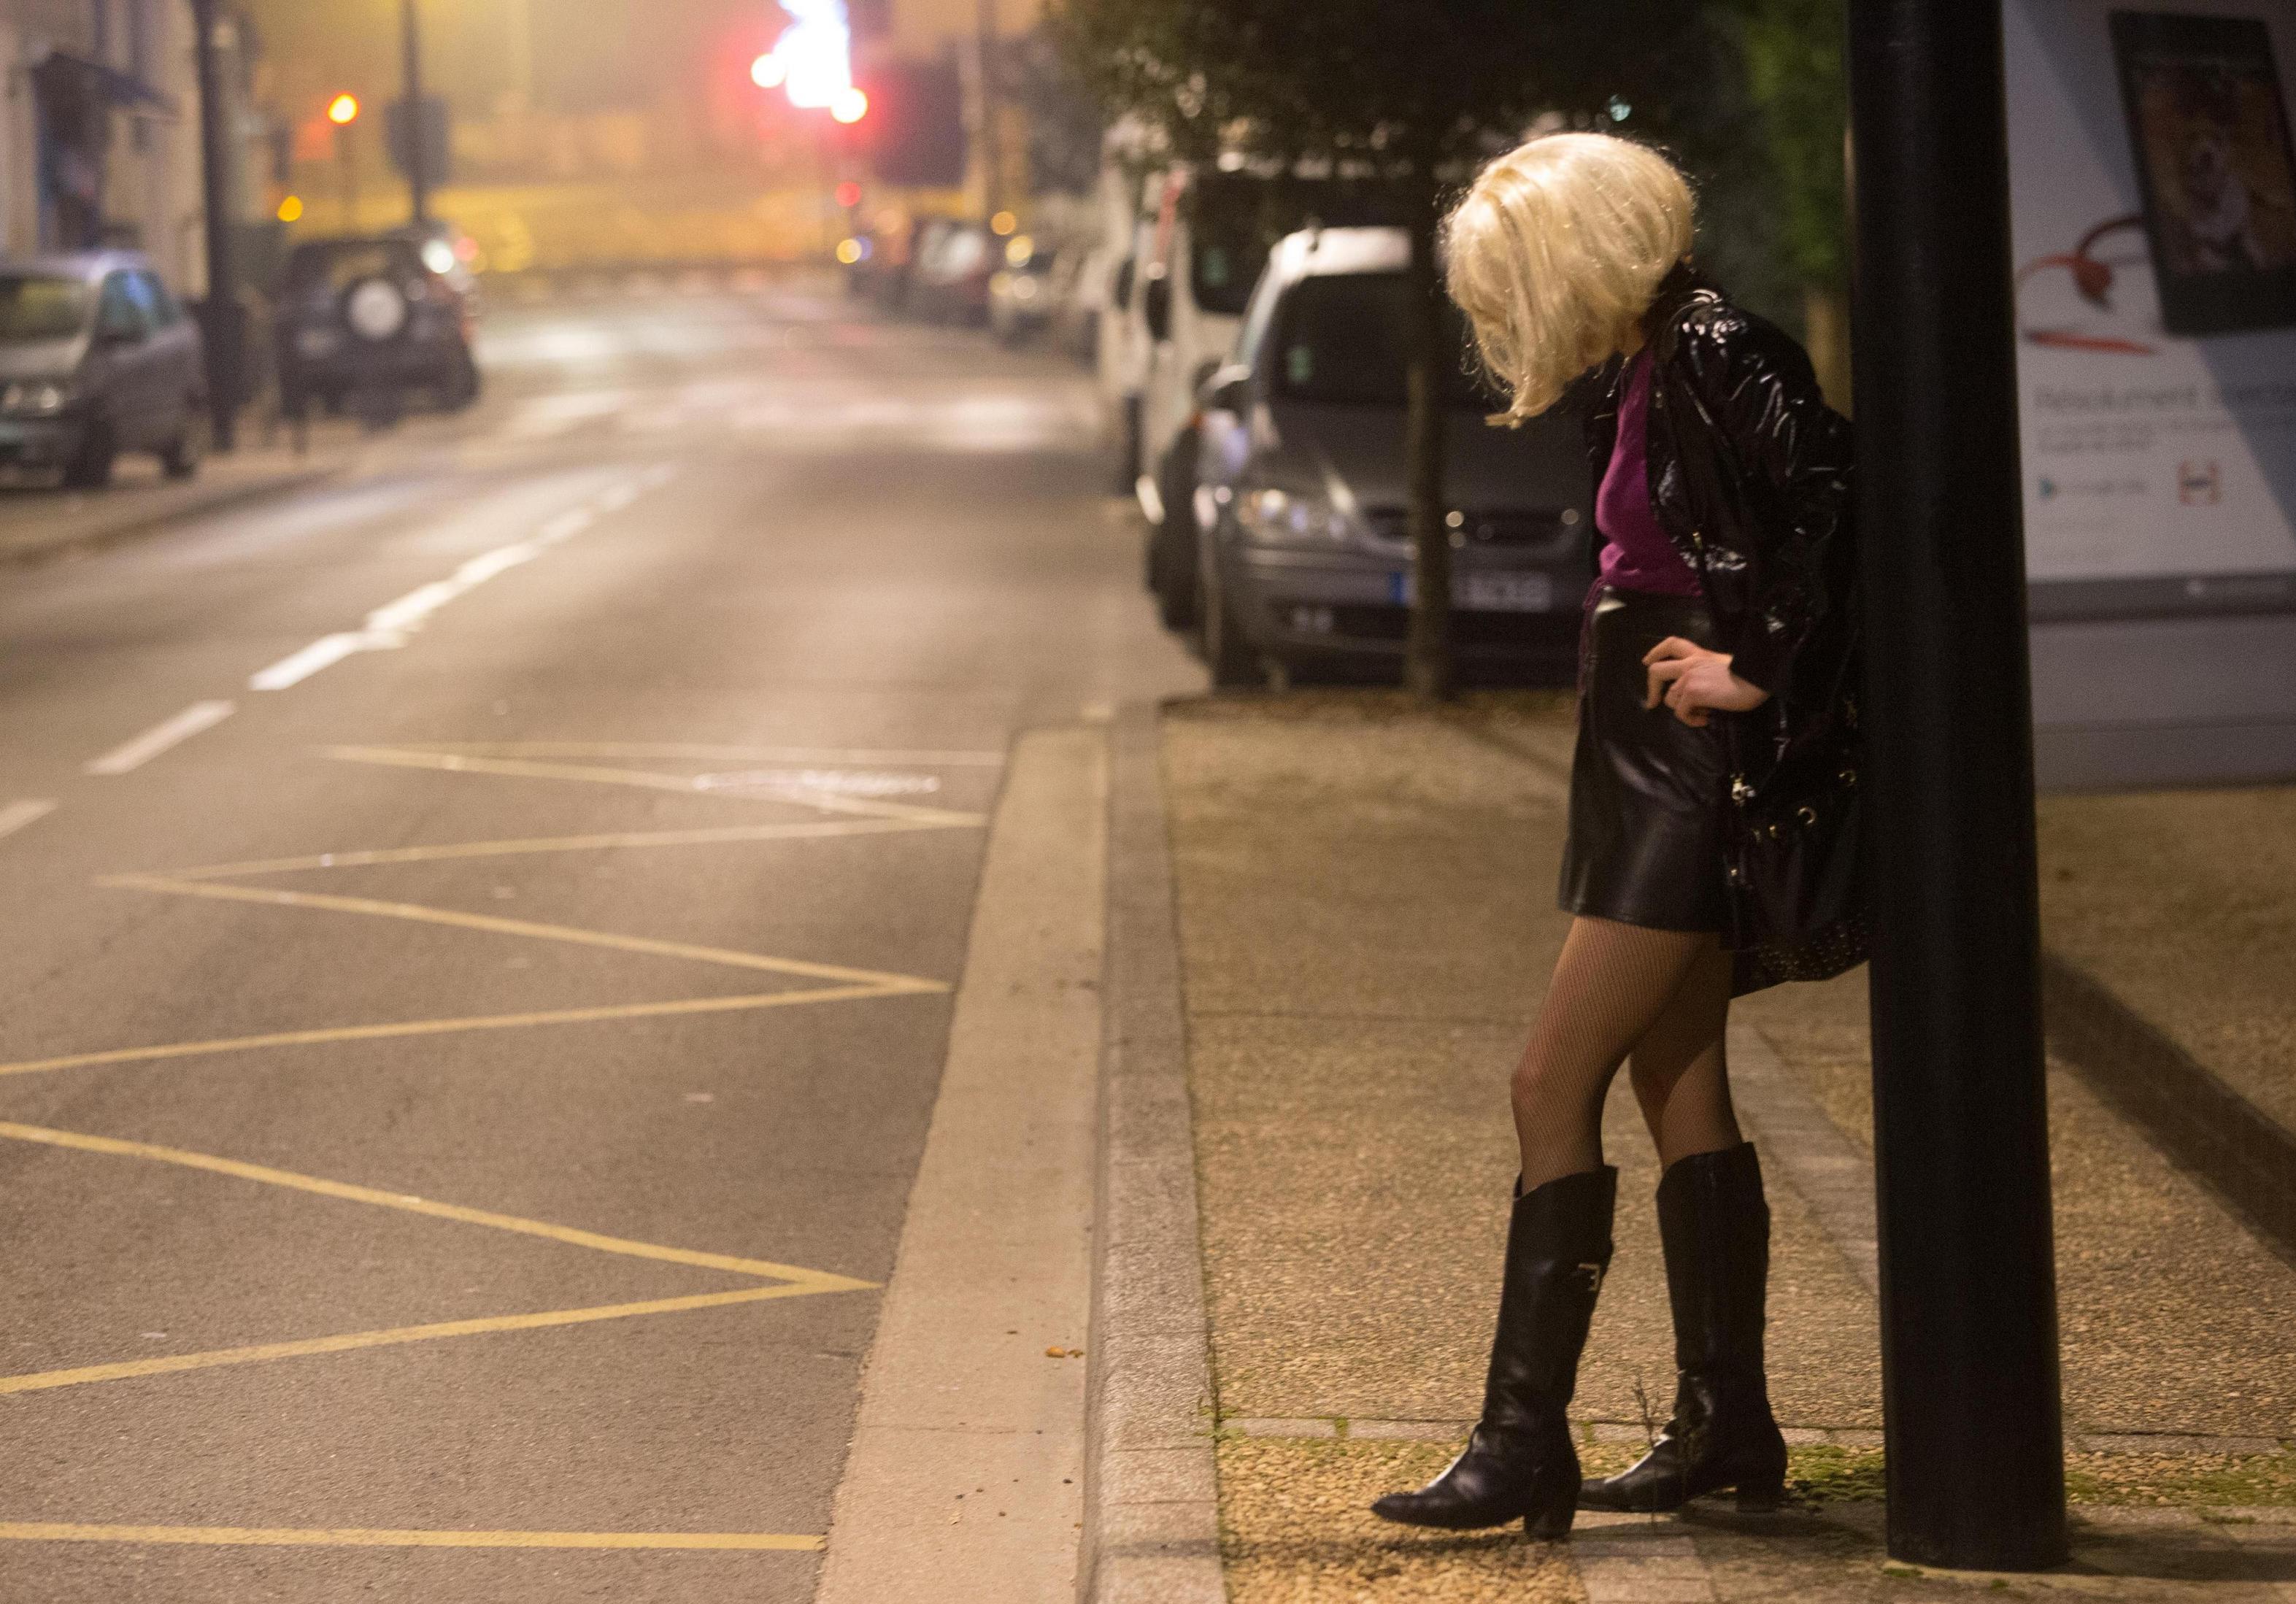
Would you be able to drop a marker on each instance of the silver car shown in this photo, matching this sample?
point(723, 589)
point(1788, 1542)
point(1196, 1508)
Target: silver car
point(96, 357)
point(1301, 477)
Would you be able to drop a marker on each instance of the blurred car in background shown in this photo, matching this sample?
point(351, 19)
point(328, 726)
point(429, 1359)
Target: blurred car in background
point(448, 253)
point(950, 270)
point(1299, 493)
point(97, 357)
point(371, 316)
point(880, 258)
point(1027, 292)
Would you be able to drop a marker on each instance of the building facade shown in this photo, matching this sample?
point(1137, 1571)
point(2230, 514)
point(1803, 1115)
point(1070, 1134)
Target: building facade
point(99, 130)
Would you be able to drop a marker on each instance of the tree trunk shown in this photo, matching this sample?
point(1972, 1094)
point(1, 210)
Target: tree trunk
point(1427, 648)
point(1825, 318)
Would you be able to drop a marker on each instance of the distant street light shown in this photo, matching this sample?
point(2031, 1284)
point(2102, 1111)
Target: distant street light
point(848, 104)
point(343, 109)
point(769, 70)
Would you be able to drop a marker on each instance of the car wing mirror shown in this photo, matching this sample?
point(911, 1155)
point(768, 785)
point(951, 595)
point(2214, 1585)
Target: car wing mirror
point(1228, 390)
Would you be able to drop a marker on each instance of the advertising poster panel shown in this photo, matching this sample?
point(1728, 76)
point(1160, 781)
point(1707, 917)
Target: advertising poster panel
point(2153, 181)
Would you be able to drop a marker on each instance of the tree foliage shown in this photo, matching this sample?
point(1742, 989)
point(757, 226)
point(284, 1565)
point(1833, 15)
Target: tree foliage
point(1793, 51)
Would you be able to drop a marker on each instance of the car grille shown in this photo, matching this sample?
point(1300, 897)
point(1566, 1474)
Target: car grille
point(1496, 528)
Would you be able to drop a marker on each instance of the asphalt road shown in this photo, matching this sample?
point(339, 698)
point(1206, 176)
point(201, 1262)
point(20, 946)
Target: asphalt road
point(476, 998)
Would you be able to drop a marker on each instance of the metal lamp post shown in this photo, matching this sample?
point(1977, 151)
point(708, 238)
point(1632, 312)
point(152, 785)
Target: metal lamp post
point(1969, 1336)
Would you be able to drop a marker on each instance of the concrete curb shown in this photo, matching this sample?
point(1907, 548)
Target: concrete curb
point(2243, 1153)
point(1152, 1502)
point(91, 529)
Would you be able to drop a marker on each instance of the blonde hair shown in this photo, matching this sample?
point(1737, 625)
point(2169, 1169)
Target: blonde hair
point(1554, 255)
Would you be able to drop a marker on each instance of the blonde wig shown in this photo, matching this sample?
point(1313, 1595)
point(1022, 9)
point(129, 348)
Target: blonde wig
point(1554, 255)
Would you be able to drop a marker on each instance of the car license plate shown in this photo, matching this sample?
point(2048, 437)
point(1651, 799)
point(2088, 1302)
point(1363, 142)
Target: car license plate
point(1484, 592)
point(317, 342)
point(1506, 593)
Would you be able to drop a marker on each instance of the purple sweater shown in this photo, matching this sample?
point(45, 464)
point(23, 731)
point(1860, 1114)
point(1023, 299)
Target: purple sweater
point(1636, 554)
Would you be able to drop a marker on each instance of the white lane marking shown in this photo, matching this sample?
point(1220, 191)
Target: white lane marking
point(17, 814)
point(387, 627)
point(134, 754)
point(574, 521)
point(296, 666)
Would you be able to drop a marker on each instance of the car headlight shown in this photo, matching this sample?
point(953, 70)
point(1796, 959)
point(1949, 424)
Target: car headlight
point(1271, 516)
point(35, 397)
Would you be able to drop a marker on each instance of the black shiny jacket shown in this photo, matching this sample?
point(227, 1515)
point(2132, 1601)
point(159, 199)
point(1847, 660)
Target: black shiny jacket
point(1749, 476)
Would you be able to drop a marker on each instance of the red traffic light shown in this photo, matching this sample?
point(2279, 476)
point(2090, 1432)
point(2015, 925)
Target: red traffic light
point(848, 193)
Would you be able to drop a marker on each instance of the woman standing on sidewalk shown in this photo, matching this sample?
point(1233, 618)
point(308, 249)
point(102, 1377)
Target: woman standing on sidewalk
point(1722, 491)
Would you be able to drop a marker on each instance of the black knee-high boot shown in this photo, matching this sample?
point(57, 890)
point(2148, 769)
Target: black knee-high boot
point(1716, 1230)
point(1520, 1464)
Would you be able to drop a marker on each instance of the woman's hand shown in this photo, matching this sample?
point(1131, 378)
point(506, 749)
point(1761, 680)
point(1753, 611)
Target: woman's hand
point(1692, 680)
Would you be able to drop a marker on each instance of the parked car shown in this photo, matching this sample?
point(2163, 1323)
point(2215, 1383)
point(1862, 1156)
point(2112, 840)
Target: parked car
point(371, 315)
point(1028, 291)
point(1203, 235)
point(97, 357)
point(1300, 496)
point(948, 281)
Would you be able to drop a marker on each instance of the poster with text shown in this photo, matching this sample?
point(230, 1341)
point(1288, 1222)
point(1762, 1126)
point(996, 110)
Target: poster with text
point(2154, 225)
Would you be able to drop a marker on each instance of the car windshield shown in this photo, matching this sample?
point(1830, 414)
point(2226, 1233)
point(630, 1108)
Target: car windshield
point(338, 267)
point(1339, 339)
point(1236, 218)
point(42, 307)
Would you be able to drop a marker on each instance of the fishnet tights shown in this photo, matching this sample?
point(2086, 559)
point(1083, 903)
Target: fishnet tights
point(1658, 1000)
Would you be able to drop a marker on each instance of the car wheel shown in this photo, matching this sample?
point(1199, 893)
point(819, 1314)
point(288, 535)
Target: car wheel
point(89, 467)
point(180, 459)
point(464, 390)
point(1127, 445)
point(1235, 665)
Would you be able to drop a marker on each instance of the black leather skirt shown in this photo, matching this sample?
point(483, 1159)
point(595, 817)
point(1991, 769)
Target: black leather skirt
point(1646, 790)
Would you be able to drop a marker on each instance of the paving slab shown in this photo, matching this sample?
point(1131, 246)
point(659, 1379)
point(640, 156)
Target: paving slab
point(1366, 916)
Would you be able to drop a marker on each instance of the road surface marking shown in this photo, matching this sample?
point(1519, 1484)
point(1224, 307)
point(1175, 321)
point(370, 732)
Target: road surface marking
point(890, 757)
point(575, 520)
point(387, 627)
point(134, 754)
point(719, 835)
point(17, 814)
point(498, 925)
point(296, 666)
point(325, 1035)
point(396, 1336)
point(456, 763)
point(406, 1202)
point(47, 1531)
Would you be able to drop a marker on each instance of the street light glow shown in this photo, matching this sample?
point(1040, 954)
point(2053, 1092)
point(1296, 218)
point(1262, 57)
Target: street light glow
point(812, 62)
point(342, 110)
point(290, 208)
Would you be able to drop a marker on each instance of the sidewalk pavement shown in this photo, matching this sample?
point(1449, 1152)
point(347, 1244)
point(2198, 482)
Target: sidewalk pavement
point(40, 523)
point(1366, 913)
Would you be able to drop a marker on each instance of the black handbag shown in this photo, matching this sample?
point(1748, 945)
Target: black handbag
point(1793, 858)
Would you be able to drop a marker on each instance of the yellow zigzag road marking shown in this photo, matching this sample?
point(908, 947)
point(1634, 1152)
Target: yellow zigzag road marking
point(794, 1280)
point(884, 757)
point(31, 1531)
point(683, 784)
point(351, 1341)
point(587, 843)
point(522, 927)
point(412, 1027)
point(408, 1203)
